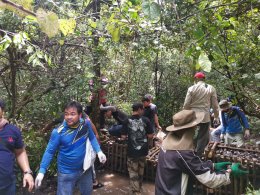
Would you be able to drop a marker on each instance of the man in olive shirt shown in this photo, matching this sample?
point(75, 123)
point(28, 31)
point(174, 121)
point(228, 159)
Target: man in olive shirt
point(200, 98)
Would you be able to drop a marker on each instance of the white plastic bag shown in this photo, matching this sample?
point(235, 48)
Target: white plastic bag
point(161, 135)
point(90, 156)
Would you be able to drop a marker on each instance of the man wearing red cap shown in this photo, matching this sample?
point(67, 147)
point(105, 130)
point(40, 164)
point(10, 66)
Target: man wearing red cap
point(200, 98)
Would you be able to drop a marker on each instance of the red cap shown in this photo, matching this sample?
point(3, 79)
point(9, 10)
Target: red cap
point(199, 75)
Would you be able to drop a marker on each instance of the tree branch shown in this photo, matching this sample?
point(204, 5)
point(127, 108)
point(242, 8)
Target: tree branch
point(19, 7)
point(213, 7)
point(3, 70)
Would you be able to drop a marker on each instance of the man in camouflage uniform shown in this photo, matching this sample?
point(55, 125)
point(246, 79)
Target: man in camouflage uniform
point(138, 129)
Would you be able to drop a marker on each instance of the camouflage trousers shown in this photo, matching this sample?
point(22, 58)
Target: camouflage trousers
point(136, 171)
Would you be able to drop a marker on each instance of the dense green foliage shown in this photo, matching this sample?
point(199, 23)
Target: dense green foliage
point(50, 50)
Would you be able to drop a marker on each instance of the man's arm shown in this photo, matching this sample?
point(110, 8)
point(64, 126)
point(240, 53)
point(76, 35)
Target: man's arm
point(224, 126)
point(156, 121)
point(243, 118)
point(148, 128)
point(94, 129)
point(214, 103)
point(187, 100)
point(92, 138)
point(244, 123)
point(22, 160)
point(50, 151)
point(202, 171)
point(95, 145)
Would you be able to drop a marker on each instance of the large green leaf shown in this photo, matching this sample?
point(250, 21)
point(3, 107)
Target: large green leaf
point(67, 26)
point(48, 22)
point(5, 42)
point(204, 62)
point(151, 9)
point(114, 30)
point(198, 33)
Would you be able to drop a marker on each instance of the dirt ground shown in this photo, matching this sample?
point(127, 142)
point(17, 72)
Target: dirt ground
point(114, 184)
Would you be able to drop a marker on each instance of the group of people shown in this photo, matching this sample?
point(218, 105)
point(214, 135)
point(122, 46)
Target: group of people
point(178, 164)
point(230, 122)
point(138, 130)
point(69, 140)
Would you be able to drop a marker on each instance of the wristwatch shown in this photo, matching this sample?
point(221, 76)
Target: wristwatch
point(28, 172)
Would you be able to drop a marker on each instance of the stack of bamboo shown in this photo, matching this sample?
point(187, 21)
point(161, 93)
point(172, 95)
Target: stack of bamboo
point(249, 158)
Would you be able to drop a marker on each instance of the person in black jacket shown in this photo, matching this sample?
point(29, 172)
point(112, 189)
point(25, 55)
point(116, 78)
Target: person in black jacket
point(138, 131)
point(178, 165)
point(118, 115)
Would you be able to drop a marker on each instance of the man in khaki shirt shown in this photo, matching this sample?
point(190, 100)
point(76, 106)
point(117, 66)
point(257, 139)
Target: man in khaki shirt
point(200, 98)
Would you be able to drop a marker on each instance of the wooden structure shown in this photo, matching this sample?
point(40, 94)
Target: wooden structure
point(248, 156)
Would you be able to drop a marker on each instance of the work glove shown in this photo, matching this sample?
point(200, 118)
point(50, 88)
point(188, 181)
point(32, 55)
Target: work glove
point(38, 180)
point(102, 157)
point(221, 166)
point(236, 171)
point(247, 134)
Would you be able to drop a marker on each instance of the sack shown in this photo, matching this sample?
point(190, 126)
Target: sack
point(90, 156)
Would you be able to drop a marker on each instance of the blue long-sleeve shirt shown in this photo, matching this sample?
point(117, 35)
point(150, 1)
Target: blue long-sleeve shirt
point(234, 121)
point(71, 146)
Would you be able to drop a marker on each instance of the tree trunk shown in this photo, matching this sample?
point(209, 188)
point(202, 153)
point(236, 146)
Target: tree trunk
point(96, 80)
point(13, 91)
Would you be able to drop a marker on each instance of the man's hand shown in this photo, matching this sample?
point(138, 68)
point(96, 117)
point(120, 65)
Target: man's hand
point(221, 166)
point(38, 180)
point(159, 128)
point(216, 121)
point(247, 134)
point(236, 171)
point(102, 157)
point(28, 179)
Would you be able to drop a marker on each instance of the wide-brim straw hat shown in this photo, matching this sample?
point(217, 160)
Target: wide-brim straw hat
point(185, 119)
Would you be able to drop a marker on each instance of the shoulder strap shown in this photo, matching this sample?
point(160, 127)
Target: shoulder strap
point(60, 128)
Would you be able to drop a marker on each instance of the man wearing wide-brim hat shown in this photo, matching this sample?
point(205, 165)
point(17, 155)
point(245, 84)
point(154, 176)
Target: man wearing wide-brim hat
point(178, 164)
point(233, 121)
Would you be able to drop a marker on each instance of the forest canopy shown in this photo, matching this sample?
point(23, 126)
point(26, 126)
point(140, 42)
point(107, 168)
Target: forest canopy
point(50, 50)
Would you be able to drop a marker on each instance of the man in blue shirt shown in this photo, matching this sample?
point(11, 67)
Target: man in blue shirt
point(11, 147)
point(233, 121)
point(69, 140)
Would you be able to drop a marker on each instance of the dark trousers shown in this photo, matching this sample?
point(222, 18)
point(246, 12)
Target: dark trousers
point(9, 190)
point(202, 138)
point(115, 130)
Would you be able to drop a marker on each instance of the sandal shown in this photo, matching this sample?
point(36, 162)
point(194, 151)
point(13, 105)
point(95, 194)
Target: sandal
point(99, 185)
